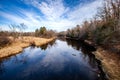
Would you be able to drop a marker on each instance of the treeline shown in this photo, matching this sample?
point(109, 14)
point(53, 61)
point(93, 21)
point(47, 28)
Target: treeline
point(104, 29)
point(18, 32)
point(43, 32)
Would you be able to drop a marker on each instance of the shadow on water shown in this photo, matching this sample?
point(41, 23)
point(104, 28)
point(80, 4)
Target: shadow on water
point(87, 50)
point(57, 60)
point(44, 47)
point(50, 44)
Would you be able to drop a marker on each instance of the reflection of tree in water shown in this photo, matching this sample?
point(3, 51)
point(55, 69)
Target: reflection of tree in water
point(2, 67)
point(92, 60)
point(44, 47)
point(18, 58)
point(74, 43)
point(85, 49)
point(62, 39)
point(21, 59)
point(48, 45)
point(15, 60)
point(2, 70)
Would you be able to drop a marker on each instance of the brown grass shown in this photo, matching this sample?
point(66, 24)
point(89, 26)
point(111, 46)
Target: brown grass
point(110, 62)
point(20, 43)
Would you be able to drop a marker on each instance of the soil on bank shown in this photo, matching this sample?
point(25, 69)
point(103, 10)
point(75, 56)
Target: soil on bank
point(110, 63)
point(110, 59)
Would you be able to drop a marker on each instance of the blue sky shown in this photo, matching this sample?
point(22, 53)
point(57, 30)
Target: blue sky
point(58, 15)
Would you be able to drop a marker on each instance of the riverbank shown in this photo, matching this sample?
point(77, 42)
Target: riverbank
point(20, 43)
point(110, 60)
point(110, 63)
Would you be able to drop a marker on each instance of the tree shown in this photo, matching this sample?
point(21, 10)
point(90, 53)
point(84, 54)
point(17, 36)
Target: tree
point(22, 27)
point(36, 32)
point(42, 30)
point(13, 29)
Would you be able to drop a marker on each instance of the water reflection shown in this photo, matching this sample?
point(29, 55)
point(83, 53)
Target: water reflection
point(2, 70)
point(58, 60)
point(44, 47)
point(87, 52)
point(78, 45)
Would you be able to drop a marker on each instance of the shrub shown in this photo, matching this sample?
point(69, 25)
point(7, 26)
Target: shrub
point(32, 43)
point(4, 41)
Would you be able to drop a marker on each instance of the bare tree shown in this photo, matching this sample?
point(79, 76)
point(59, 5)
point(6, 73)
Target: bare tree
point(13, 28)
point(22, 27)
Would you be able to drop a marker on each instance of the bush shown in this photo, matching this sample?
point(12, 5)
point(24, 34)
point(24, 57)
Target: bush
point(4, 41)
point(32, 43)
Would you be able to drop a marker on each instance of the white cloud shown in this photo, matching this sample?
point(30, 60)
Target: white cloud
point(54, 12)
point(31, 20)
point(85, 11)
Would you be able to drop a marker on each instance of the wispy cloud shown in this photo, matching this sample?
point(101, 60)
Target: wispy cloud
point(84, 11)
point(54, 10)
point(30, 19)
point(52, 13)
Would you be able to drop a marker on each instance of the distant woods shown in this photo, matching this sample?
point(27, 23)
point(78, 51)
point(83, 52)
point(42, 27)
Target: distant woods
point(104, 29)
point(17, 32)
point(43, 32)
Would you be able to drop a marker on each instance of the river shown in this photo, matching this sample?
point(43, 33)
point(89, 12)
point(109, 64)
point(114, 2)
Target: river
point(58, 60)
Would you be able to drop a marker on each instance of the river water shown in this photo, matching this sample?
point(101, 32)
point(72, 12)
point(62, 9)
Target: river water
point(58, 60)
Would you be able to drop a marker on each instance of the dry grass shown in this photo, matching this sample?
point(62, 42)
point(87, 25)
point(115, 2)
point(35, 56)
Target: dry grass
point(110, 62)
point(38, 41)
point(20, 43)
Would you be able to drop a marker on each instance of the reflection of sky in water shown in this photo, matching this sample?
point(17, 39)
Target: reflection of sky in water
point(57, 59)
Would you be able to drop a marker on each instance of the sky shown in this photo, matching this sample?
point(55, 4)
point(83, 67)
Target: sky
point(58, 15)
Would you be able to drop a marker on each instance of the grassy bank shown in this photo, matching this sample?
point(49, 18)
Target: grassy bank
point(18, 45)
point(110, 63)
